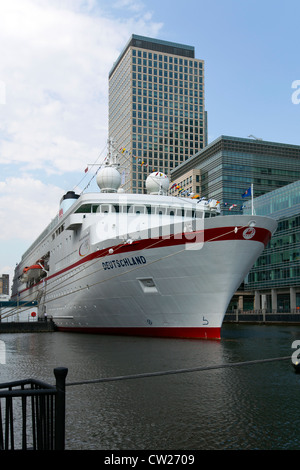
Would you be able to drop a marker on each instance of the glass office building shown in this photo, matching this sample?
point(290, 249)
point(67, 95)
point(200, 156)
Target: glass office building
point(230, 165)
point(275, 278)
point(157, 113)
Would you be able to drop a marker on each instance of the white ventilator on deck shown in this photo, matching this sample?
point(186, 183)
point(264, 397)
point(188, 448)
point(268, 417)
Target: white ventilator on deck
point(157, 183)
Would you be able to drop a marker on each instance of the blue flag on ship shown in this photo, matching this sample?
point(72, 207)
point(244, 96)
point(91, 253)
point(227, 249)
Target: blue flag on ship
point(247, 193)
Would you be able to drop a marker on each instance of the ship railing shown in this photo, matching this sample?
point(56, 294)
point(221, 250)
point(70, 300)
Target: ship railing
point(32, 414)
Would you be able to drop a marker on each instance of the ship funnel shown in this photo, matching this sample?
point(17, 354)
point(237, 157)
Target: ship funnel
point(67, 201)
point(157, 183)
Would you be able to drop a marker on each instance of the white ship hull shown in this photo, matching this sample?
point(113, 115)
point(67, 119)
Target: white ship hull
point(169, 286)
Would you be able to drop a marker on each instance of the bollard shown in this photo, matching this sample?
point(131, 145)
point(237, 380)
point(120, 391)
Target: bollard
point(60, 407)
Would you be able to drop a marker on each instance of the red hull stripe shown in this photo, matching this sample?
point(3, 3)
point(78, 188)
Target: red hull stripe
point(209, 235)
point(163, 332)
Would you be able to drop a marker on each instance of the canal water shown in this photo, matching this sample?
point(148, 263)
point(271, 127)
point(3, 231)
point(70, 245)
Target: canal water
point(245, 407)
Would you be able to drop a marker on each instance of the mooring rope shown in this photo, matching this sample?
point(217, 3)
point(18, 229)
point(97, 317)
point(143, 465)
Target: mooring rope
point(178, 371)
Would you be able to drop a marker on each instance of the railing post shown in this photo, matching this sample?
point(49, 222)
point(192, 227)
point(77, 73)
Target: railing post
point(60, 407)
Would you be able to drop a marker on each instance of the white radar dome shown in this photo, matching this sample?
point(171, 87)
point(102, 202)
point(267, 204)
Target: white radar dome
point(157, 183)
point(109, 179)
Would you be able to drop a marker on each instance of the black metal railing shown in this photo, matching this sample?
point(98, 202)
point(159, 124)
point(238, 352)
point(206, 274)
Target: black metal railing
point(32, 414)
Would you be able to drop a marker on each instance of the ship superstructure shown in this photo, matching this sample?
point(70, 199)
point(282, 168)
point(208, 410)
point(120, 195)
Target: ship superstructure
point(139, 264)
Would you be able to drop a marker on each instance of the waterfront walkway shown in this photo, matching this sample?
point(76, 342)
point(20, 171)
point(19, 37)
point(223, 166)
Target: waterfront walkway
point(262, 316)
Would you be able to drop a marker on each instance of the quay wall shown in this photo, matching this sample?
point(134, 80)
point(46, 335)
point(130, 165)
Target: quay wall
point(27, 327)
point(235, 317)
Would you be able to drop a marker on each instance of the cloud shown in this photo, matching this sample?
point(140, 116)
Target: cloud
point(55, 59)
point(132, 5)
point(27, 206)
point(54, 71)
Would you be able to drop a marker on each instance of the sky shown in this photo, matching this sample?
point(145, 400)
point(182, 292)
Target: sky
point(55, 59)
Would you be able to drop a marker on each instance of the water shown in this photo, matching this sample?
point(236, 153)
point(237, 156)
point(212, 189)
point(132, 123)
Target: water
point(246, 407)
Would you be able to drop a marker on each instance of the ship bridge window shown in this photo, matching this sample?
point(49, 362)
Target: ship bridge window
point(95, 208)
point(136, 209)
point(84, 208)
point(87, 209)
point(160, 210)
point(149, 209)
point(104, 208)
point(171, 211)
point(190, 213)
point(139, 209)
point(207, 214)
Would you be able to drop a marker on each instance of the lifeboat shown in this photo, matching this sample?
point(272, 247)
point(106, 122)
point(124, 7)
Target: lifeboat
point(32, 272)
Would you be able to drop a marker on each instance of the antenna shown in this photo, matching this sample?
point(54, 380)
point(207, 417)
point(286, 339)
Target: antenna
point(112, 158)
point(253, 136)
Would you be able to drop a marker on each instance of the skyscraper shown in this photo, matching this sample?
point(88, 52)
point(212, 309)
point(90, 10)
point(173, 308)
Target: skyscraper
point(229, 165)
point(4, 284)
point(156, 108)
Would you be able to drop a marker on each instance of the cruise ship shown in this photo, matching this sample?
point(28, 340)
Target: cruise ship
point(139, 264)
